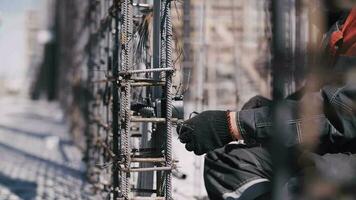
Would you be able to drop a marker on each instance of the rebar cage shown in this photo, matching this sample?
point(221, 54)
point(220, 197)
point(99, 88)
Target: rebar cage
point(130, 77)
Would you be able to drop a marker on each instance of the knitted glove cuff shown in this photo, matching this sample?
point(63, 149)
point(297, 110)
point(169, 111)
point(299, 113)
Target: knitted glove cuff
point(222, 126)
point(230, 126)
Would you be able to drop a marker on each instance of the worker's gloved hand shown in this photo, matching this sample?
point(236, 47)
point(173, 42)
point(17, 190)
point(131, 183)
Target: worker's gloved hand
point(205, 132)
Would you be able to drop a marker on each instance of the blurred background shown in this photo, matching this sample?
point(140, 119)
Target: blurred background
point(25, 29)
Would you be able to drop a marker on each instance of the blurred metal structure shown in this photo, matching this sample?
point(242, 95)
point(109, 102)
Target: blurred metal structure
point(295, 53)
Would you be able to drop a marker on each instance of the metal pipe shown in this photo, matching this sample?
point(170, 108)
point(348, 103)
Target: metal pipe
point(156, 32)
point(115, 126)
point(157, 44)
point(280, 53)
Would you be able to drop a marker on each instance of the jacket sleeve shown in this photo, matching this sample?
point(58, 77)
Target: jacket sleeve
point(336, 120)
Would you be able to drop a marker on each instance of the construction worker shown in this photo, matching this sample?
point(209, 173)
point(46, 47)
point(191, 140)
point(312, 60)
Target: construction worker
point(243, 170)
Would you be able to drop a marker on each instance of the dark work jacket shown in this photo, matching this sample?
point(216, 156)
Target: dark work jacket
point(336, 119)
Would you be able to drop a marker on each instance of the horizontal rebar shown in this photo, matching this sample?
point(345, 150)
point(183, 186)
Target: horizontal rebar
point(148, 160)
point(143, 190)
point(140, 71)
point(144, 84)
point(147, 169)
point(144, 198)
point(143, 5)
point(162, 159)
point(153, 120)
point(133, 84)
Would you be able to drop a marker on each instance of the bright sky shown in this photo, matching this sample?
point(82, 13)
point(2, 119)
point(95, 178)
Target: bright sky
point(13, 38)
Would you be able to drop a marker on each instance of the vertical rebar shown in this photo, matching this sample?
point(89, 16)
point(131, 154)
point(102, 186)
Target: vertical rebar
point(169, 105)
point(127, 65)
point(123, 113)
point(126, 138)
point(128, 91)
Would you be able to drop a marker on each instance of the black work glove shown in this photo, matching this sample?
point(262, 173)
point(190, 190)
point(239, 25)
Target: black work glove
point(205, 132)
